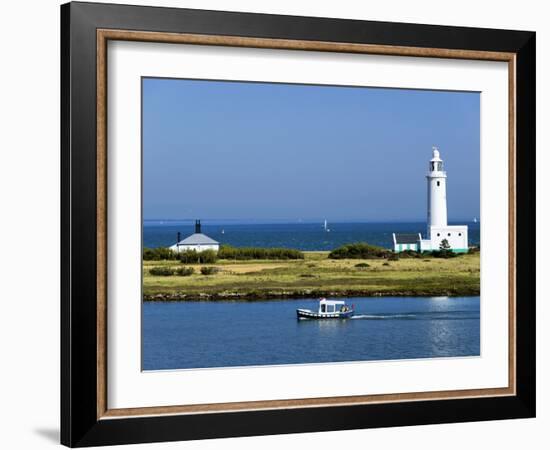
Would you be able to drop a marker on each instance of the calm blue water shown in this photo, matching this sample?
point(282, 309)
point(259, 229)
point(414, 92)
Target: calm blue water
point(182, 335)
point(301, 236)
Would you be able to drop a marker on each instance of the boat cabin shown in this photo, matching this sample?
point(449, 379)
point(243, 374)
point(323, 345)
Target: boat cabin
point(331, 306)
point(328, 309)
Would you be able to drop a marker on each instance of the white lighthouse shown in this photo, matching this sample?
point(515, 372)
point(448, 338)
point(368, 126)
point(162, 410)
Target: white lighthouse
point(456, 236)
point(437, 192)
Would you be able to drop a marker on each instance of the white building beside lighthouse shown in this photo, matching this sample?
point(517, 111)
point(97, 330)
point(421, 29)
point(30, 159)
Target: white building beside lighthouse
point(437, 227)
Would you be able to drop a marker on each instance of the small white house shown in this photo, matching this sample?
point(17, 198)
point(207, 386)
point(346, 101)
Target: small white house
point(406, 241)
point(198, 242)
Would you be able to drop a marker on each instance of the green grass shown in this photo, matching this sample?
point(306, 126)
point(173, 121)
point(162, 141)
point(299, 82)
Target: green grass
point(316, 275)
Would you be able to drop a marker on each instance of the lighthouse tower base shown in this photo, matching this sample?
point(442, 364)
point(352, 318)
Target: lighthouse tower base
point(456, 236)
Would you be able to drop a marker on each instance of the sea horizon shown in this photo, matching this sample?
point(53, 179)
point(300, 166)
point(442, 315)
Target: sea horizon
point(298, 221)
point(305, 236)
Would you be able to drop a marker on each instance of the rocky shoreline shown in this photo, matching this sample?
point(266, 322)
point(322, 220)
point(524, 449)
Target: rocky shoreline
point(272, 295)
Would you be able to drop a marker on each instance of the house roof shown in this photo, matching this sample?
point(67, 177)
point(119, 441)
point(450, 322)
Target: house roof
point(401, 238)
point(197, 239)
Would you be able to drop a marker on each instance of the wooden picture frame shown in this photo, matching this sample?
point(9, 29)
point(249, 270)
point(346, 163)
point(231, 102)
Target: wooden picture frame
point(86, 418)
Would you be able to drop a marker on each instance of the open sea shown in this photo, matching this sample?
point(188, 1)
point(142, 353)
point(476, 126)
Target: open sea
point(301, 236)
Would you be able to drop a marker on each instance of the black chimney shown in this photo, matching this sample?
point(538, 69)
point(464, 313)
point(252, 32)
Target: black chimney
point(197, 226)
point(178, 238)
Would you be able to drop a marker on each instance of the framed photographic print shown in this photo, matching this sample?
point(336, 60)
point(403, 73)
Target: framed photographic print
point(277, 224)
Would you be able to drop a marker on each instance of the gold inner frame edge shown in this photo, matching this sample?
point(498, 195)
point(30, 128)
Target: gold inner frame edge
point(103, 36)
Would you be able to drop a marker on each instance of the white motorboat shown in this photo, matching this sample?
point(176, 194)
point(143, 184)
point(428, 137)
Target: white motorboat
point(328, 309)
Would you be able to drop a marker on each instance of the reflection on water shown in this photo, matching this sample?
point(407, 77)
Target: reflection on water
point(221, 334)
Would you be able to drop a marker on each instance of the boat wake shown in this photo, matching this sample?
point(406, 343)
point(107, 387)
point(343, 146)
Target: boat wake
point(384, 316)
point(456, 315)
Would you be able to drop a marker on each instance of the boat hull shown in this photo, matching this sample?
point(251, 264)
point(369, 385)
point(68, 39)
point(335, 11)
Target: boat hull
point(308, 314)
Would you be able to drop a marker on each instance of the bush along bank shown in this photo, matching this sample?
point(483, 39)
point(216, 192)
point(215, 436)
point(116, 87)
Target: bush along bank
point(359, 250)
point(225, 252)
point(168, 271)
point(246, 253)
point(363, 250)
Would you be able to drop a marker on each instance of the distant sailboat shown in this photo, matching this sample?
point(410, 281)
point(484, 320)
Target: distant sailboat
point(475, 220)
point(223, 231)
point(326, 228)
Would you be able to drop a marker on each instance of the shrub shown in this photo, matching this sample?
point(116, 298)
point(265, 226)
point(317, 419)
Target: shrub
point(189, 257)
point(359, 250)
point(245, 253)
point(205, 257)
point(386, 264)
point(185, 271)
point(149, 254)
point(161, 271)
point(208, 256)
point(409, 254)
point(393, 257)
point(444, 254)
point(361, 265)
point(209, 270)
point(444, 245)
point(444, 251)
point(307, 275)
point(159, 254)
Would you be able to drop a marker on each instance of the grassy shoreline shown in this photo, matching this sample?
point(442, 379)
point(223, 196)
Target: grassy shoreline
point(316, 276)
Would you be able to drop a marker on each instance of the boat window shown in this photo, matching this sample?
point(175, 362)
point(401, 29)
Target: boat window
point(323, 308)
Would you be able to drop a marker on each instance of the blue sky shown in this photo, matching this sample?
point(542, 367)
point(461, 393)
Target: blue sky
point(264, 151)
